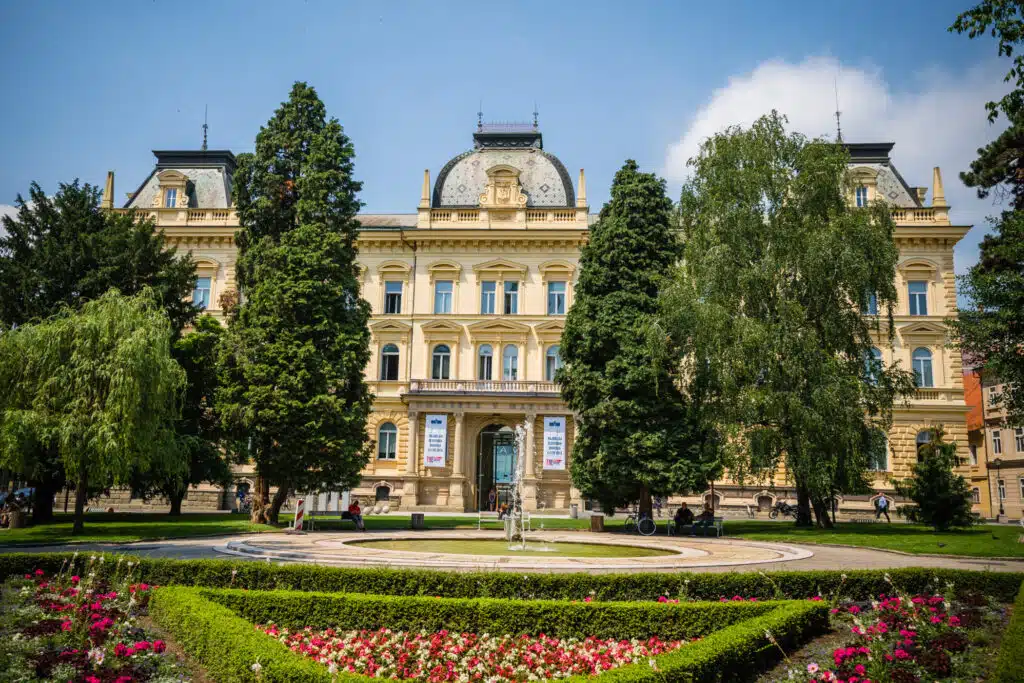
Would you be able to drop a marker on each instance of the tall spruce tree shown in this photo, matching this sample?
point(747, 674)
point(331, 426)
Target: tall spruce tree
point(767, 302)
point(63, 250)
point(292, 386)
point(991, 328)
point(637, 435)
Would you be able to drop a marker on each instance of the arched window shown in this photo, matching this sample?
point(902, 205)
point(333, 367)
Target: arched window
point(862, 195)
point(389, 363)
point(552, 361)
point(382, 494)
point(878, 455)
point(486, 362)
point(922, 359)
point(976, 494)
point(924, 437)
point(873, 365)
point(387, 442)
point(442, 362)
point(510, 363)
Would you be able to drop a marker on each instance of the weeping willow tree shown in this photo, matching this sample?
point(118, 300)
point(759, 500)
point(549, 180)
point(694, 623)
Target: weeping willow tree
point(100, 383)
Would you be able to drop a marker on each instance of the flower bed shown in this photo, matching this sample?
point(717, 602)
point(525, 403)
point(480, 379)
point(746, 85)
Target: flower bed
point(79, 627)
point(447, 656)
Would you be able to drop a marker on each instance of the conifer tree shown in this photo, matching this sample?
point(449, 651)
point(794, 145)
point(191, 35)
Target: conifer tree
point(636, 434)
point(292, 387)
point(942, 498)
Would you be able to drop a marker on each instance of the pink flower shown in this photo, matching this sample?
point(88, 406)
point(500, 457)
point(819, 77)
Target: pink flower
point(40, 572)
point(589, 598)
point(860, 669)
point(122, 650)
point(812, 668)
point(854, 609)
point(66, 626)
point(142, 646)
point(92, 679)
point(159, 646)
point(900, 653)
point(936, 620)
point(75, 579)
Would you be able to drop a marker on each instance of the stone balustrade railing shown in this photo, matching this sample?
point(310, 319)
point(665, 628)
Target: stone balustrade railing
point(481, 386)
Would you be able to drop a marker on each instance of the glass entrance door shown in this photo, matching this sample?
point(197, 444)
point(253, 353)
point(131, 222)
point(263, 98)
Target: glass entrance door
point(496, 464)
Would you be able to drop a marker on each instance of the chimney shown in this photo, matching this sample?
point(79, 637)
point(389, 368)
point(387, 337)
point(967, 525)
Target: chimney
point(108, 192)
point(581, 195)
point(921, 192)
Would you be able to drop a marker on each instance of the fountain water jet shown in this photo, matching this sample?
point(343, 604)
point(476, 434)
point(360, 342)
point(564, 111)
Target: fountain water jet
point(514, 528)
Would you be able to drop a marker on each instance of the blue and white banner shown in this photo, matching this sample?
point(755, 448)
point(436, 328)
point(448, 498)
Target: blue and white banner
point(554, 443)
point(436, 447)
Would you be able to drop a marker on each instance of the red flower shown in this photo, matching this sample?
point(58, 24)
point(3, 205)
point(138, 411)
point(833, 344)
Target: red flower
point(159, 646)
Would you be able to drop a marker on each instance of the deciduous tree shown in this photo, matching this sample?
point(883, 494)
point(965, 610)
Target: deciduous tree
point(292, 385)
point(63, 251)
point(100, 384)
point(767, 302)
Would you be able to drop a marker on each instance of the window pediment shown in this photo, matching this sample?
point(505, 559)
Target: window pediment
point(442, 329)
point(391, 330)
point(500, 268)
point(549, 331)
point(394, 268)
point(499, 330)
point(444, 270)
point(557, 270)
point(918, 266)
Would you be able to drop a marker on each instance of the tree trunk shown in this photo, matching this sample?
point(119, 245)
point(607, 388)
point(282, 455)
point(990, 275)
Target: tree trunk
point(176, 497)
point(42, 507)
point(81, 494)
point(803, 507)
point(821, 513)
point(260, 499)
point(275, 505)
point(646, 505)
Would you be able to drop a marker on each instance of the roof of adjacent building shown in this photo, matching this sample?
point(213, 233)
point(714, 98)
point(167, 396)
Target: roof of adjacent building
point(209, 174)
point(891, 185)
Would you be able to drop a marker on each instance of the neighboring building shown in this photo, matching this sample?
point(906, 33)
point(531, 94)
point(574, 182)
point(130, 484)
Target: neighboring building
point(977, 459)
point(469, 296)
point(1005, 446)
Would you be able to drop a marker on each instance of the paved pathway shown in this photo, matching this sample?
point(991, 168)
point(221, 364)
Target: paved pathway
point(725, 554)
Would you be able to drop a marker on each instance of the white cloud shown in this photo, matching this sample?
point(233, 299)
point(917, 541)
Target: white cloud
point(938, 121)
point(6, 210)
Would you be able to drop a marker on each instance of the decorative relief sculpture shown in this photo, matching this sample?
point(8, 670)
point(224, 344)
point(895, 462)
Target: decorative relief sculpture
point(503, 188)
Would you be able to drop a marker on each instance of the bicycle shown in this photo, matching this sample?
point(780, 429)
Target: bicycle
point(645, 526)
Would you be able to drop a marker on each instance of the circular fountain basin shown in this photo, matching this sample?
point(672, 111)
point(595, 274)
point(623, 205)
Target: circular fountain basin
point(494, 547)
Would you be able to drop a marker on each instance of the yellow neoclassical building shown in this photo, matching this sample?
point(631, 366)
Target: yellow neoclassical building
point(469, 295)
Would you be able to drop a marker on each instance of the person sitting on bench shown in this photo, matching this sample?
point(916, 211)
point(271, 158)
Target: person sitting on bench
point(705, 519)
point(684, 517)
point(355, 513)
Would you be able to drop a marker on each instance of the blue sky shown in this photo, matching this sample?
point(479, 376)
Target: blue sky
point(92, 87)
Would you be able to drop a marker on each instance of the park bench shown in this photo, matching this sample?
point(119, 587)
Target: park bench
point(486, 516)
point(341, 516)
point(718, 524)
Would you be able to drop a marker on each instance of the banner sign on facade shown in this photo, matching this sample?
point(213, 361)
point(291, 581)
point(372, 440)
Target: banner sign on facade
point(554, 443)
point(436, 447)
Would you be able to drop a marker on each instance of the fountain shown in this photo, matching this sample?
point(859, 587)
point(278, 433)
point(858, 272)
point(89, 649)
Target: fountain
point(515, 531)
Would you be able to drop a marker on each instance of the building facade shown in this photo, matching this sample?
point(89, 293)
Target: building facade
point(469, 295)
point(1004, 446)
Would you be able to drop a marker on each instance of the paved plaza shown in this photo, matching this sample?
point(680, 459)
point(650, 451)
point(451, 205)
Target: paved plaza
point(335, 548)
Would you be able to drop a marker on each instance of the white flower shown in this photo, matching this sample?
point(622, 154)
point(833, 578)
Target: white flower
point(332, 668)
point(257, 667)
point(97, 654)
point(888, 579)
point(652, 664)
point(843, 576)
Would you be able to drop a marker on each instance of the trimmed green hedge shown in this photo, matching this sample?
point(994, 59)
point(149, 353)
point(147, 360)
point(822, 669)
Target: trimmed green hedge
point(1010, 665)
point(558, 619)
point(207, 626)
point(859, 584)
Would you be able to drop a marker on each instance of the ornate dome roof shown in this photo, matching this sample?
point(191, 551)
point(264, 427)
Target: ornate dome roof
point(542, 177)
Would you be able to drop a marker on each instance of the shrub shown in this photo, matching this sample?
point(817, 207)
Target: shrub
point(942, 498)
point(859, 584)
point(205, 622)
point(1010, 664)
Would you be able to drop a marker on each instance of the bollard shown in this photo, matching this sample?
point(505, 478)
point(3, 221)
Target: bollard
point(300, 510)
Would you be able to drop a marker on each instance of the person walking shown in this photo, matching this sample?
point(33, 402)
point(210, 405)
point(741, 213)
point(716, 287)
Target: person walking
point(882, 508)
point(492, 499)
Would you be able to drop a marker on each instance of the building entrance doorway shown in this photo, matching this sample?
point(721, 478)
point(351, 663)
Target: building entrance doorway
point(495, 466)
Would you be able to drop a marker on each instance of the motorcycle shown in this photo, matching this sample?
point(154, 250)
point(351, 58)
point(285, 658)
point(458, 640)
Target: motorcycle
point(782, 508)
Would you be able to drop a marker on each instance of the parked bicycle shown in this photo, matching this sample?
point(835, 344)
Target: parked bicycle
point(782, 508)
point(645, 526)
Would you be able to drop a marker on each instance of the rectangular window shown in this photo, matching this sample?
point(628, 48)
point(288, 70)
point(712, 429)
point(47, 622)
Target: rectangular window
point(201, 294)
point(997, 442)
point(862, 195)
point(556, 298)
point(1018, 437)
point(918, 292)
point(976, 496)
point(1002, 489)
point(170, 198)
point(388, 445)
point(880, 457)
point(488, 292)
point(389, 365)
point(511, 297)
point(1021, 481)
point(392, 297)
point(443, 296)
point(974, 453)
point(870, 306)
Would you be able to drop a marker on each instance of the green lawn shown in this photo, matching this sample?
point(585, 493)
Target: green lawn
point(979, 541)
point(126, 527)
point(496, 547)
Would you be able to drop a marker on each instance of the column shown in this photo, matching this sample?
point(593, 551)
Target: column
point(409, 486)
point(456, 488)
point(530, 478)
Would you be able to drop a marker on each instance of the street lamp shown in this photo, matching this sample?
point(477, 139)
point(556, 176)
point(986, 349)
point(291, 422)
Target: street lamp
point(998, 462)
